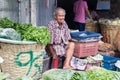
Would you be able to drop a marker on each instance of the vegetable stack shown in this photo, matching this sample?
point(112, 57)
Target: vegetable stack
point(28, 31)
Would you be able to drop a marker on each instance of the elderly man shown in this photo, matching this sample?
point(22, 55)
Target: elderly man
point(61, 43)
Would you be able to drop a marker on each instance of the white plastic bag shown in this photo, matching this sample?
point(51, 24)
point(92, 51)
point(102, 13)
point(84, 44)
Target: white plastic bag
point(79, 64)
point(9, 33)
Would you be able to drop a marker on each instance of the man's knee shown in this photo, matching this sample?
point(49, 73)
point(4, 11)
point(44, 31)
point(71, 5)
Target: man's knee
point(71, 45)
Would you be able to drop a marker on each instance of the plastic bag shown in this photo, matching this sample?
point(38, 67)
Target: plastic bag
point(79, 64)
point(9, 33)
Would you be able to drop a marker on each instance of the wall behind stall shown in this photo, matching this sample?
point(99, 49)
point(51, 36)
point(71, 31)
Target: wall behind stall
point(10, 9)
point(16, 10)
point(113, 12)
point(37, 12)
point(44, 11)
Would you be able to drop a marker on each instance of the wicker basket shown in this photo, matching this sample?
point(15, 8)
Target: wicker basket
point(22, 59)
point(109, 32)
point(93, 27)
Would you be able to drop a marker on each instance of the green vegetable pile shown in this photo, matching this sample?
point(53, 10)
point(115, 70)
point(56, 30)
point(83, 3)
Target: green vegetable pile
point(94, 74)
point(28, 31)
point(57, 74)
point(77, 76)
point(97, 74)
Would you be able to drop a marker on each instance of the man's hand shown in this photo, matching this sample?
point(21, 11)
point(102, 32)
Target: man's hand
point(55, 56)
point(51, 50)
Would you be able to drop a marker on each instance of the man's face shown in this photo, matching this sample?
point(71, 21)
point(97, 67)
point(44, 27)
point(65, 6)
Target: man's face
point(60, 16)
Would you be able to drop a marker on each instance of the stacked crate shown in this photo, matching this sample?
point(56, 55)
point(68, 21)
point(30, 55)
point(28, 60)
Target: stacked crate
point(86, 44)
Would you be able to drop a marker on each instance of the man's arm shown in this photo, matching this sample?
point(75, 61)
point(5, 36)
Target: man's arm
point(51, 51)
point(88, 13)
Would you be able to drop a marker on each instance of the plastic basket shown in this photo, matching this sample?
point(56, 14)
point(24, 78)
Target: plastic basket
point(85, 35)
point(22, 59)
point(109, 62)
point(85, 49)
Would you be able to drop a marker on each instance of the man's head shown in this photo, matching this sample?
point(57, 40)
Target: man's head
point(59, 15)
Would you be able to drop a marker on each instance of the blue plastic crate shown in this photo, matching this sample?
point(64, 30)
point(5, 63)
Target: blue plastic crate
point(109, 62)
point(109, 66)
point(87, 35)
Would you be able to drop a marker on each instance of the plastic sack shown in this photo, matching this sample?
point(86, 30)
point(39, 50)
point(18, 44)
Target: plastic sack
point(9, 33)
point(79, 64)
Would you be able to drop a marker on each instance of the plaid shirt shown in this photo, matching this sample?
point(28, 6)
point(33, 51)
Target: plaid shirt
point(59, 37)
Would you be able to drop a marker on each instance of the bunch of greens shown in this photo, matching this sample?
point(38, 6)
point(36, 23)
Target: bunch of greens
point(96, 74)
point(77, 76)
point(28, 31)
point(6, 23)
point(99, 74)
point(41, 35)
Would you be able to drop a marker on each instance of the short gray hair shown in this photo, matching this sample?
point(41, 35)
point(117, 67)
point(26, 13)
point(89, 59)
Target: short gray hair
point(59, 9)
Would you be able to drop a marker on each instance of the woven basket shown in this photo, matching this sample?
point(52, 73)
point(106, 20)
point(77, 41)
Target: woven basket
point(109, 32)
point(93, 27)
point(22, 59)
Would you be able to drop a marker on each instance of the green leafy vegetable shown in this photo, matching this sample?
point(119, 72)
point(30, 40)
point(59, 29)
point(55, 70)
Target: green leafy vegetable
point(77, 76)
point(28, 31)
point(6, 23)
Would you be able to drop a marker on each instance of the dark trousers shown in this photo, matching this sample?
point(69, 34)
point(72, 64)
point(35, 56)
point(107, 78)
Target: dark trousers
point(80, 26)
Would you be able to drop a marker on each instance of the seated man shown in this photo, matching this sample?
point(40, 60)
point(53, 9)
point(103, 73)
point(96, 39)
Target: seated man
point(61, 43)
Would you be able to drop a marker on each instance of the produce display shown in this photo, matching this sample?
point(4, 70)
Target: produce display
point(115, 21)
point(28, 32)
point(96, 73)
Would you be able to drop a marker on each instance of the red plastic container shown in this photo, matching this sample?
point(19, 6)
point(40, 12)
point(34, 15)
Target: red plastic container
point(55, 63)
point(85, 49)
